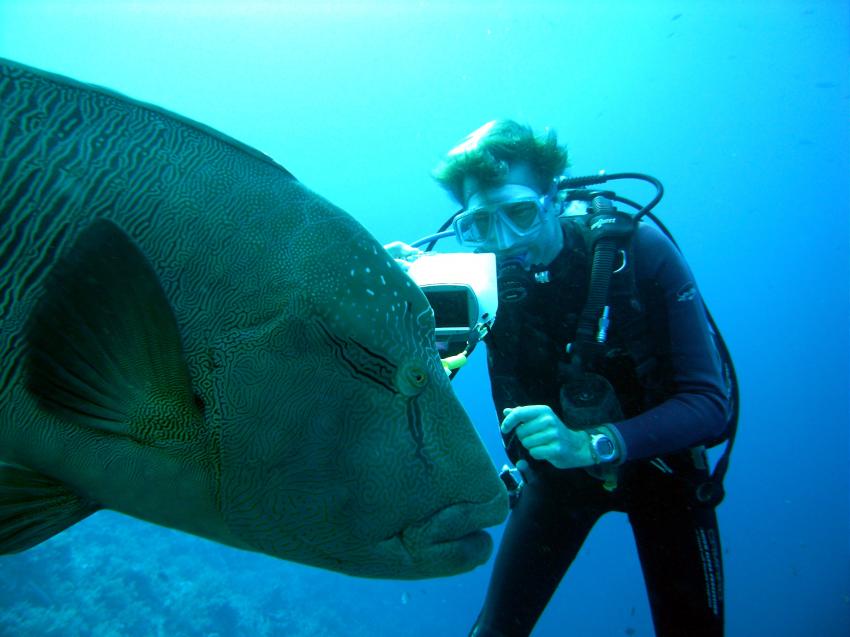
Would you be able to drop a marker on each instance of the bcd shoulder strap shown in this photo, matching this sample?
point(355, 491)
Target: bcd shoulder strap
point(608, 233)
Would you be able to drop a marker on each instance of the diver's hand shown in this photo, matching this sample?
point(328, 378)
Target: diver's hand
point(403, 253)
point(547, 437)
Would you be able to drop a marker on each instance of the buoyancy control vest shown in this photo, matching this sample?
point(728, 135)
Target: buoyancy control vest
point(608, 369)
point(624, 355)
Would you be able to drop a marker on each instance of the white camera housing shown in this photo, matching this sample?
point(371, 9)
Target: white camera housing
point(461, 288)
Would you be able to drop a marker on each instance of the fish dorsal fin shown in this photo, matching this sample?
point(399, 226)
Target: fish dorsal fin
point(104, 346)
point(34, 508)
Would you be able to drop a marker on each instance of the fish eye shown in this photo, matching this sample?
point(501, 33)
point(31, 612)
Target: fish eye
point(412, 379)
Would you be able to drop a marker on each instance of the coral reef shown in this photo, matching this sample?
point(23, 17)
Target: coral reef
point(111, 576)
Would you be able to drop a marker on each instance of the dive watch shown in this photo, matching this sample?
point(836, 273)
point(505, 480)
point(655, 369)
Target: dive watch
point(602, 447)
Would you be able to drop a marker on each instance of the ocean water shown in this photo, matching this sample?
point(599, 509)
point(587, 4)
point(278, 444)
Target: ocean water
point(741, 109)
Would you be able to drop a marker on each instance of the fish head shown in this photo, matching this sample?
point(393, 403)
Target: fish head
point(344, 445)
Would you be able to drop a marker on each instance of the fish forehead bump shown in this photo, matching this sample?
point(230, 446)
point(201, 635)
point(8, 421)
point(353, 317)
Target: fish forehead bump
point(370, 295)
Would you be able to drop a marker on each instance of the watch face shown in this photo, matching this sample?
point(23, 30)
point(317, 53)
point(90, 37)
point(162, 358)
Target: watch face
point(604, 447)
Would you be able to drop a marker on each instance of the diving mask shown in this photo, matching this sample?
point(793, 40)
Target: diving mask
point(501, 216)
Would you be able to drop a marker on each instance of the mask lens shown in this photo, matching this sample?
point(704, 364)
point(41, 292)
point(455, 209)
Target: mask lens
point(475, 227)
point(522, 214)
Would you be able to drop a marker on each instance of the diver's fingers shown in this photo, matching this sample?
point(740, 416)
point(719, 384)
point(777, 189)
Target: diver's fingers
point(527, 412)
point(519, 415)
point(400, 250)
point(403, 254)
point(395, 249)
point(568, 450)
point(546, 452)
point(532, 427)
point(544, 437)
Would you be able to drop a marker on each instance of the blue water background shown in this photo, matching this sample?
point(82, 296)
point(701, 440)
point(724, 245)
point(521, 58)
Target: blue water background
point(741, 108)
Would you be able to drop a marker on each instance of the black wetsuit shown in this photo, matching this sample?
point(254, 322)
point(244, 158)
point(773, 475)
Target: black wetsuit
point(673, 400)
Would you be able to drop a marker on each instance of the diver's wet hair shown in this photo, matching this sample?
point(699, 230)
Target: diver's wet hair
point(487, 153)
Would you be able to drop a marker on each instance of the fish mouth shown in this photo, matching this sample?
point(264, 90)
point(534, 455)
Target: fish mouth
point(452, 540)
point(457, 521)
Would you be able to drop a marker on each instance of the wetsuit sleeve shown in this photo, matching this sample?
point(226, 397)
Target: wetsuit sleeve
point(696, 410)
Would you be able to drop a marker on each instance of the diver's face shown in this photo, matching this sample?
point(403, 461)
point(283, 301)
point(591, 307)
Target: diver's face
point(512, 220)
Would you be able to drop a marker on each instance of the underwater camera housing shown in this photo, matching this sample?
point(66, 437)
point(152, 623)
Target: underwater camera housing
point(461, 288)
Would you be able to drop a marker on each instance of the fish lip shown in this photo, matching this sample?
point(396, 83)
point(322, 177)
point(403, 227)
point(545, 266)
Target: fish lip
point(446, 542)
point(456, 522)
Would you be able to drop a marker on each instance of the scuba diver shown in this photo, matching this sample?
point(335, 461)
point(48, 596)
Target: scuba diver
point(608, 375)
